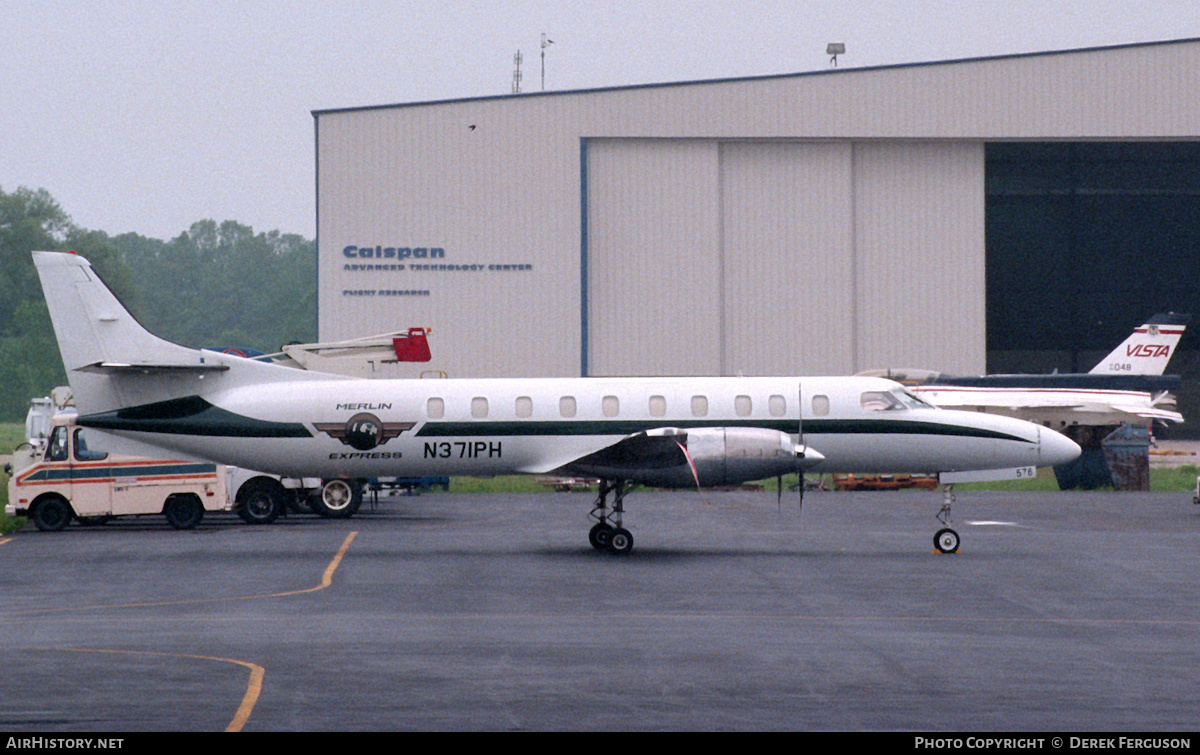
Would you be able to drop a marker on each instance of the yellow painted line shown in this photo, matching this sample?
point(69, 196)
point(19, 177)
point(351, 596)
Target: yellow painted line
point(253, 688)
point(326, 581)
point(6, 540)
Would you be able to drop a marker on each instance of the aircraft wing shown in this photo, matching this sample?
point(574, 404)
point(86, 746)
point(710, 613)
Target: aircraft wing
point(651, 449)
point(703, 456)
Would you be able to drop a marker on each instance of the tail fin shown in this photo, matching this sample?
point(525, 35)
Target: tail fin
point(111, 360)
point(1148, 349)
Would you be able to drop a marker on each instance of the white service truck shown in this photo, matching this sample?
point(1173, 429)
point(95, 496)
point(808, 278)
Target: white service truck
point(54, 478)
point(64, 480)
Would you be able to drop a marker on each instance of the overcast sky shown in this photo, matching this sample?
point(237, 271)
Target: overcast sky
point(147, 116)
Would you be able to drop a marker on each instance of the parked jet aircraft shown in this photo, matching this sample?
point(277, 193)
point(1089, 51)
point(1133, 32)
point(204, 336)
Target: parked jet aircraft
point(676, 432)
point(1126, 386)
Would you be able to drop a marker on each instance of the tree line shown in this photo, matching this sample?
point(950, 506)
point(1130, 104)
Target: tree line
point(216, 284)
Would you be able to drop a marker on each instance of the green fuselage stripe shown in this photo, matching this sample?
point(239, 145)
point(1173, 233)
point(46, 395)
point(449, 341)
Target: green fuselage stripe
point(535, 428)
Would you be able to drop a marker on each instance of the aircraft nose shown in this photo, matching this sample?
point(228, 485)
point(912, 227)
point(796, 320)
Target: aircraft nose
point(1055, 448)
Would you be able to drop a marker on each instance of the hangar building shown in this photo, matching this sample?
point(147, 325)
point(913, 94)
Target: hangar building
point(1009, 214)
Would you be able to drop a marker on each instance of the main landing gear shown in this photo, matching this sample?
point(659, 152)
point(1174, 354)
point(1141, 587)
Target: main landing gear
point(946, 539)
point(608, 534)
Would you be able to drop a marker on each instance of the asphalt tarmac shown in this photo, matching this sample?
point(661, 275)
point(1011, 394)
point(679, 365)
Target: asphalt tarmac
point(1063, 612)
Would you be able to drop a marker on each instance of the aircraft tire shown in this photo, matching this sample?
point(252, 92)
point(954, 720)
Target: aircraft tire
point(184, 512)
point(52, 514)
point(599, 536)
point(946, 541)
point(338, 499)
point(620, 541)
point(260, 501)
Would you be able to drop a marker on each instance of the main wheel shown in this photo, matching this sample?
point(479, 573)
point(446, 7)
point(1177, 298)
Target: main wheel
point(184, 512)
point(260, 501)
point(52, 514)
point(599, 536)
point(946, 541)
point(621, 542)
point(339, 499)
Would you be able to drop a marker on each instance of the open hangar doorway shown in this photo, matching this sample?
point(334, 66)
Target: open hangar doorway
point(1084, 241)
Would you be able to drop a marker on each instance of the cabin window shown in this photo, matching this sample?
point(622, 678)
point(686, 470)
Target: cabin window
point(777, 406)
point(699, 406)
point(610, 406)
point(479, 407)
point(566, 406)
point(524, 406)
point(880, 401)
point(435, 408)
point(742, 406)
point(658, 406)
point(820, 405)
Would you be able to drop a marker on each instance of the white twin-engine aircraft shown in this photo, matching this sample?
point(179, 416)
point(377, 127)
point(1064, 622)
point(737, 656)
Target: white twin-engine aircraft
point(668, 432)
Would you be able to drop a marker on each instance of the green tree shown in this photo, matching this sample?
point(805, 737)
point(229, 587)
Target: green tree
point(224, 285)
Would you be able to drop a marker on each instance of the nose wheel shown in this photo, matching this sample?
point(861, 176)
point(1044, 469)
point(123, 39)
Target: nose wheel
point(946, 540)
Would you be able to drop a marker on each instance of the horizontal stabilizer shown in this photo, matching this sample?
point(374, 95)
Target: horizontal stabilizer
point(120, 368)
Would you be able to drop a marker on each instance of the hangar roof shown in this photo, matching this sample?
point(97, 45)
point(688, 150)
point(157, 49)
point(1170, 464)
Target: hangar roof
point(1164, 76)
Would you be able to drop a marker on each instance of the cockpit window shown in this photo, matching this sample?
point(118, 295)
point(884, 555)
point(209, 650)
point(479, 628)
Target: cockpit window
point(891, 401)
point(913, 401)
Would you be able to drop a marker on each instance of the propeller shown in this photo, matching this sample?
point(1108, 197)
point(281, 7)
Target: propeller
point(802, 451)
point(800, 440)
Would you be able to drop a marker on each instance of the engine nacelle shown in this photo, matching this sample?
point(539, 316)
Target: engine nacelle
point(704, 457)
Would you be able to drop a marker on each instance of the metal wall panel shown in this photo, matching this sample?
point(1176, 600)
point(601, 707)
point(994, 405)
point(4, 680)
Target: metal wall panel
point(502, 207)
point(787, 257)
point(653, 257)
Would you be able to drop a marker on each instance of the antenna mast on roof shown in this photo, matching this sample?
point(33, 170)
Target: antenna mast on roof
point(545, 44)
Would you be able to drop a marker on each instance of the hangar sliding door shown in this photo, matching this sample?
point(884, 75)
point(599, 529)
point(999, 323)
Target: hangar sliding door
point(652, 257)
point(787, 258)
point(919, 255)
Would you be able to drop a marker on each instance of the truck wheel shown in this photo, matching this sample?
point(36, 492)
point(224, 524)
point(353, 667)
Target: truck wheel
point(260, 501)
point(184, 512)
point(52, 514)
point(339, 499)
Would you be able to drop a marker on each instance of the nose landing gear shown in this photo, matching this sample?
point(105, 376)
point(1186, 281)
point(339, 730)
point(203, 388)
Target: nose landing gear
point(946, 539)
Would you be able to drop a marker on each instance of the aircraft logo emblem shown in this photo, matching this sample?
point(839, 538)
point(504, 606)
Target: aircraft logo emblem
point(363, 431)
